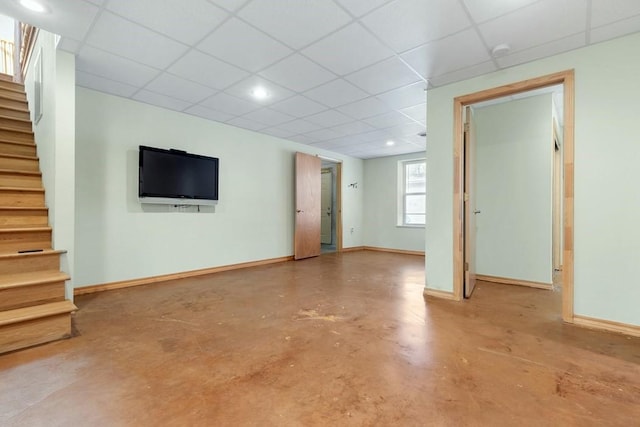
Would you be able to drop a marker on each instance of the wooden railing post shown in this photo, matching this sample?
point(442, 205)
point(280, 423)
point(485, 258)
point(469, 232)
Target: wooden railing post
point(17, 48)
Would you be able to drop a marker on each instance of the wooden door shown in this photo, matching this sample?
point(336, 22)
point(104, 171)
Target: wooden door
point(470, 210)
point(307, 222)
point(326, 214)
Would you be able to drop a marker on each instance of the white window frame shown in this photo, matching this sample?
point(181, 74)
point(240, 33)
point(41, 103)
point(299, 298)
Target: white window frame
point(402, 194)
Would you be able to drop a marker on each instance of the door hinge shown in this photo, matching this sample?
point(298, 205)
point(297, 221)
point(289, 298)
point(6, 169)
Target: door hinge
point(466, 266)
point(466, 197)
point(466, 127)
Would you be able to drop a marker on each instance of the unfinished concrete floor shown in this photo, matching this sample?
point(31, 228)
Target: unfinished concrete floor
point(343, 339)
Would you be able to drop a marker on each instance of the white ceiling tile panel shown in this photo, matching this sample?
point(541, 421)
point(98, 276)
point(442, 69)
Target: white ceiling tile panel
point(114, 67)
point(246, 124)
point(417, 112)
point(242, 45)
point(201, 15)
point(383, 76)
point(608, 11)
point(483, 10)
point(388, 120)
point(348, 50)
point(303, 139)
point(407, 129)
point(405, 24)
point(229, 104)
point(299, 126)
point(407, 96)
point(268, 116)
point(323, 134)
point(298, 106)
point(134, 42)
point(160, 100)
point(359, 7)
point(466, 73)
point(244, 89)
point(280, 133)
point(204, 69)
point(179, 88)
point(295, 23)
point(435, 59)
point(207, 113)
point(617, 29)
point(329, 118)
point(376, 135)
point(548, 49)
point(102, 84)
point(344, 141)
point(353, 128)
point(364, 108)
point(298, 73)
point(69, 45)
point(554, 19)
point(336, 93)
point(230, 5)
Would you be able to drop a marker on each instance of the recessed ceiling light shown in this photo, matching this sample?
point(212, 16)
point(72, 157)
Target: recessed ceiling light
point(33, 6)
point(500, 50)
point(259, 93)
point(390, 143)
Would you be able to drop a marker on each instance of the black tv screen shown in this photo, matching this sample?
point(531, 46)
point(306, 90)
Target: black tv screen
point(177, 174)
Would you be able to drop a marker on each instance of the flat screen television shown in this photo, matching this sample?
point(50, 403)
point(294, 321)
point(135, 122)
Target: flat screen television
point(176, 177)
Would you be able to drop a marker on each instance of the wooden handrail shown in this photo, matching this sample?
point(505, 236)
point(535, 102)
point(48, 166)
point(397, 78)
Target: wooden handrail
point(28, 35)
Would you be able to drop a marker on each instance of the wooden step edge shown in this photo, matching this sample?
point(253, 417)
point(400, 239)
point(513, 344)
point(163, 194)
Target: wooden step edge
point(44, 252)
point(19, 89)
point(12, 281)
point(25, 314)
point(23, 229)
point(23, 189)
point(18, 156)
point(22, 131)
point(21, 110)
point(23, 208)
point(14, 119)
point(19, 172)
point(28, 144)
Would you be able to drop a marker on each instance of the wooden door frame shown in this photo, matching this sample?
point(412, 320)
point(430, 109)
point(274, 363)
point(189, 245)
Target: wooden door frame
point(338, 164)
point(567, 79)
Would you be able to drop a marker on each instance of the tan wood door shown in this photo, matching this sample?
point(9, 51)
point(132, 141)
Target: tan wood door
point(307, 222)
point(326, 216)
point(470, 210)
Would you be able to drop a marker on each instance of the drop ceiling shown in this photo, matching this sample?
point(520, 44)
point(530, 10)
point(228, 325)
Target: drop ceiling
point(342, 75)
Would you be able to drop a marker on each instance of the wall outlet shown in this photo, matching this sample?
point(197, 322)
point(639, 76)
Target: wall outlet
point(352, 230)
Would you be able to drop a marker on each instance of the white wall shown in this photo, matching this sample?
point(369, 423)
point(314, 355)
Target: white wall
point(55, 138)
point(118, 239)
point(381, 206)
point(514, 149)
point(6, 28)
point(607, 204)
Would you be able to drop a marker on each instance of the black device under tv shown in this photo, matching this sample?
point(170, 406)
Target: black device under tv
point(176, 177)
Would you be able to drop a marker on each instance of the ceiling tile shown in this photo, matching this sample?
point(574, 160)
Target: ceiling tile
point(69, 45)
point(207, 113)
point(417, 112)
point(204, 69)
point(388, 120)
point(329, 118)
point(114, 67)
point(299, 126)
point(436, 58)
point(160, 100)
point(408, 129)
point(164, 15)
point(336, 93)
point(364, 108)
point(322, 134)
point(242, 45)
point(280, 133)
point(617, 29)
point(483, 10)
point(405, 24)
point(134, 42)
point(229, 104)
point(548, 49)
point(298, 106)
point(383, 76)
point(179, 88)
point(348, 50)
point(246, 124)
point(607, 11)
point(298, 73)
point(295, 23)
point(359, 7)
point(102, 84)
point(353, 128)
point(302, 139)
point(554, 20)
point(244, 89)
point(268, 117)
point(466, 73)
point(407, 96)
point(376, 135)
point(230, 5)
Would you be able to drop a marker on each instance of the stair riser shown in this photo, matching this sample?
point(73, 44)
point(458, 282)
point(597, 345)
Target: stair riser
point(26, 296)
point(11, 85)
point(22, 181)
point(13, 136)
point(14, 113)
point(19, 164)
point(12, 95)
point(11, 123)
point(17, 149)
point(24, 218)
point(13, 103)
point(14, 241)
point(26, 334)
point(49, 262)
point(21, 199)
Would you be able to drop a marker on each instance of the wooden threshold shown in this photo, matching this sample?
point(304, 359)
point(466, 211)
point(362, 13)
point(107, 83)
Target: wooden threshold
point(606, 325)
point(517, 282)
point(175, 276)
point(393, 251)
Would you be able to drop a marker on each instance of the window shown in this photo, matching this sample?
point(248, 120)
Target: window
point(412, 194)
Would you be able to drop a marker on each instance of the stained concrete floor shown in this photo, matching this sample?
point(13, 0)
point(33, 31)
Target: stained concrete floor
point(343, 339)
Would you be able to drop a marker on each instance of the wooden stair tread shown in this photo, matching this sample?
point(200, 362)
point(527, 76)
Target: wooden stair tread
point(19, 89)
point(25, 189)
point(18, 156)
point(9, 107)
point(28, 144)
point(20, 172)
point(32, 254)
point(23, 229)
point(23, 208)
point(17, 280)
point(14, 119)
point(36, 312)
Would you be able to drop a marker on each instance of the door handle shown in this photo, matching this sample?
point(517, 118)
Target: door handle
point(299, 211)
point(476, 212)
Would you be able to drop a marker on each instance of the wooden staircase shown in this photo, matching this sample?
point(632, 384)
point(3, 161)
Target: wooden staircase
point(33, 308)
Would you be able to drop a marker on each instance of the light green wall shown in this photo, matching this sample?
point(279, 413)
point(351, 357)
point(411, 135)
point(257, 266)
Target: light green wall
point(119, 239)
point(381, 206)
point(513, 189)
point(607, 205)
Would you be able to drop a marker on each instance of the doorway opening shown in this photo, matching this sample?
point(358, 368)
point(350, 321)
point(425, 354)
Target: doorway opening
point(560, 205)
point(328, 207)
